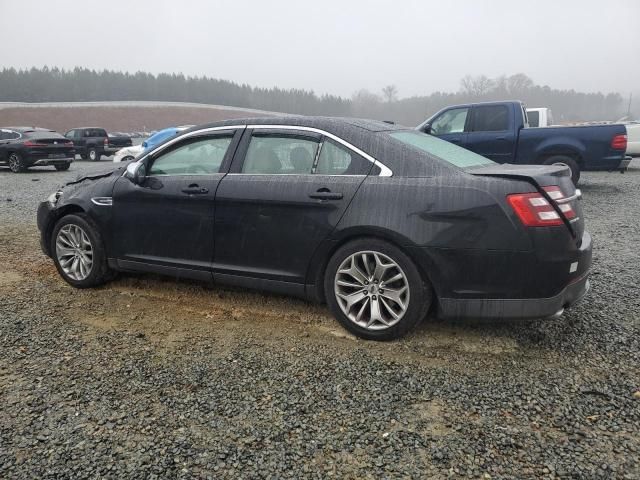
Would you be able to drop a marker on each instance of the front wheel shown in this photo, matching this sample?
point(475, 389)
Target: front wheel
point(78, 252)
point(375, 290)
point(568, 162)
point(16, 163)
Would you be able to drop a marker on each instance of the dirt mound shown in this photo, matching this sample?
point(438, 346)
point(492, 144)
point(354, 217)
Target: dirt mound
point(127, 118)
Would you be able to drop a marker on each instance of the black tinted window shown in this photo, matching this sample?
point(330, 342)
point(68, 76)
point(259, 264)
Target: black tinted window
point(490, 118)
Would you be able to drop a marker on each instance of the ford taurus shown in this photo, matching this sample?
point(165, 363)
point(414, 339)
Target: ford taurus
point(385, 224)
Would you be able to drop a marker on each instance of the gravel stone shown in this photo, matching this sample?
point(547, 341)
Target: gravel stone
point(151, 377)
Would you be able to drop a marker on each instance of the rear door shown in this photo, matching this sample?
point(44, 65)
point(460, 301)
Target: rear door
point(451, 125)
point(491, 132)
point(286, 192)
point(168, 220)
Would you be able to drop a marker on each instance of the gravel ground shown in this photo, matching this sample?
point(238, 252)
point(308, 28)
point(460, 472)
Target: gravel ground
point(152, 378)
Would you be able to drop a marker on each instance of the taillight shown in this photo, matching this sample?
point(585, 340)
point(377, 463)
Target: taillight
point(534, 210)
point(619, 142)
point(29, 143)
point(106, 142)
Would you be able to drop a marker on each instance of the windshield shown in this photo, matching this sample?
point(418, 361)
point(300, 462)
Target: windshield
point(446, 151)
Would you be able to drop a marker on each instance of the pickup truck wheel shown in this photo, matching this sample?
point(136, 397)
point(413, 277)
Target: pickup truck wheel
point(93, 155)
point(61, 167)
point(16, 164)
point(567, 161)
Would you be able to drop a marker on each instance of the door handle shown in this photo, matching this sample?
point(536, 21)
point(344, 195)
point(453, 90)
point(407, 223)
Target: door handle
point(195, 190)
point(325, 194)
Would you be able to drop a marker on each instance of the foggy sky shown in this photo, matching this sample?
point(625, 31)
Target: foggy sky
point(335, 46)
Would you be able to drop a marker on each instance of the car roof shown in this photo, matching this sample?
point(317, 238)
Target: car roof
point(329, 124)
point(28, 129)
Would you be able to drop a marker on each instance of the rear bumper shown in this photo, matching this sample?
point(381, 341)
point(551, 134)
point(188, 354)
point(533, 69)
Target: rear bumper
point(512, 308)
point(574, 269)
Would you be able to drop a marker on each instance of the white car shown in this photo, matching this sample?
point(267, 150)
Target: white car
point(129, 153)
point(633, 139)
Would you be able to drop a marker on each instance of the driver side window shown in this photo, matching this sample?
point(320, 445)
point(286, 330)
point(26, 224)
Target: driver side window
point(451, 121)
point(201, 156)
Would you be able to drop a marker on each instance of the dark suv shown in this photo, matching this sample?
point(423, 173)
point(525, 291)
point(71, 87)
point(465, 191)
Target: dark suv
point(93, 142)
point(25, 147)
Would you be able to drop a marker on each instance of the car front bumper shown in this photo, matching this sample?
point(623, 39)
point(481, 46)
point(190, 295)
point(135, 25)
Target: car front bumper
point(45, 217)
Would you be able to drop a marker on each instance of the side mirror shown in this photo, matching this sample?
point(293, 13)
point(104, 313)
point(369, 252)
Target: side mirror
point(136, 172)
point(427, 128)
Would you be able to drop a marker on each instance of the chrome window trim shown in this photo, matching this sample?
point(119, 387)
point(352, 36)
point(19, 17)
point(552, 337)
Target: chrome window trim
point(384, 170)
point(292, 174)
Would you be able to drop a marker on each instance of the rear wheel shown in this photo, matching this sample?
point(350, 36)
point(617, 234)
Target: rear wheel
point(567, 161)
point(93, 154)
point(375, 291)
point(61, 167)
point(78, 252)
point(16, 164)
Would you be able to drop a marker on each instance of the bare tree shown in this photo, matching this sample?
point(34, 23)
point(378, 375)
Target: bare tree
point(476, 86)
point(390, 93)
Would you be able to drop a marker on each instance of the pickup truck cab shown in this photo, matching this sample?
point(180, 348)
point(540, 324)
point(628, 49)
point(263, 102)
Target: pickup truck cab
point(94, 142)
point(500, 132)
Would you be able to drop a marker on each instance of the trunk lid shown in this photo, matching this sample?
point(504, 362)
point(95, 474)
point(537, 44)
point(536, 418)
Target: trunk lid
point(541, 176)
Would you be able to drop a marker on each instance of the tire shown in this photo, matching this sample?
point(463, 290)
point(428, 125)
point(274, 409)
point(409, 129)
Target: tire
point(16, 163)
point(61, 167)
point(93, 155)
point(67, 234)
point(569, 162)
point(411, 305)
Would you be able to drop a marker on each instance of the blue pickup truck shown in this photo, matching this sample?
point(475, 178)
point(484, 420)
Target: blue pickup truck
point(500, 132)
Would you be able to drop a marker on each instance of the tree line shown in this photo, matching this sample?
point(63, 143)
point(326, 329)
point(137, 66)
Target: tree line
point(82, 85)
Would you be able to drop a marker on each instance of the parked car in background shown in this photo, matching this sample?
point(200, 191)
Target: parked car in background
point(539, 117)
point(633, 138)
point(24, 147)
point(499, 131)
point(129, 153)
point(384, 223)
point(93, 142)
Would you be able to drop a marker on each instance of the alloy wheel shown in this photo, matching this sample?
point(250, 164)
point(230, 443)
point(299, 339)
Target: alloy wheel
point(372, 290)
point(14, 163)
point(92, 155)
point(74, 252)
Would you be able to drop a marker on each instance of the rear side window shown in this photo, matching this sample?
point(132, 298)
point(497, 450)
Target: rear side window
point(95, 132)
point(279, 155)
point(337, 160)
point(450, 153)
point(490, 118)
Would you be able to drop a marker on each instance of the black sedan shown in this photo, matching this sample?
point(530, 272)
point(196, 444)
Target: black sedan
point(24, 147)
point(384, 223)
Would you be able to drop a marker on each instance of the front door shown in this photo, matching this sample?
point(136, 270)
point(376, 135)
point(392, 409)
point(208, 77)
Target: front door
point(167, 221)
point(450, 126)
point(286, 193)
